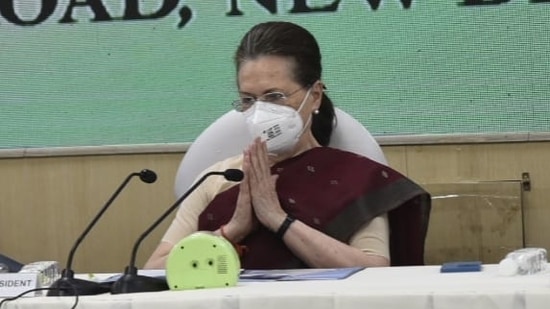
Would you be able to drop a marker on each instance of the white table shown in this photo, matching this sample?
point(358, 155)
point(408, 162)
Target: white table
point(393, 287)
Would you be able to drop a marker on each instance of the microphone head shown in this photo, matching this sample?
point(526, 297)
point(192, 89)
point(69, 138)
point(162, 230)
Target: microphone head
point(233, 174)
point(148, 176)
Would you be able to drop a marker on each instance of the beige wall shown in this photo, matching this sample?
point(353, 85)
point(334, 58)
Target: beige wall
point(438, 164)
point(486, 162)
point(45, 203)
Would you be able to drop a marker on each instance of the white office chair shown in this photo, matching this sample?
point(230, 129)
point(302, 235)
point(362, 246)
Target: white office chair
point(228, 136)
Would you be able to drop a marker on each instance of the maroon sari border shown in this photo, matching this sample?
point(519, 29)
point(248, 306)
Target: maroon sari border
point(373, 204)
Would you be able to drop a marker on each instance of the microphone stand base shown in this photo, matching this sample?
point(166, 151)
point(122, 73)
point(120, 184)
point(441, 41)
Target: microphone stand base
point(71, 286)
point(132, 283)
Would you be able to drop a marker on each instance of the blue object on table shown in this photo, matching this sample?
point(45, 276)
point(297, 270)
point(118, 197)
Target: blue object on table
point(458, 267)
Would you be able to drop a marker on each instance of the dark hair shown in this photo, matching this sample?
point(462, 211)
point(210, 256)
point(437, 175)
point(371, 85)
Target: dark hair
point(290, 40)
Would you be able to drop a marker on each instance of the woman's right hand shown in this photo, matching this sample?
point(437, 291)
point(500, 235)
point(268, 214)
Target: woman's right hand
point(244, 220)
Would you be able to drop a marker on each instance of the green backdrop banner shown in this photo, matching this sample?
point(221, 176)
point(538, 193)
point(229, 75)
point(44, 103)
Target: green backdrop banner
point(109, 72)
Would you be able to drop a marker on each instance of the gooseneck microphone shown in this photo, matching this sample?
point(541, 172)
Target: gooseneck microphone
point(130, 281)
point(68, 285)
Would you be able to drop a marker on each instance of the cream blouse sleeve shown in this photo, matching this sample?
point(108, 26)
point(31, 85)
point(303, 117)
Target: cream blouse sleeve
point(373, 237)
point(187, 216)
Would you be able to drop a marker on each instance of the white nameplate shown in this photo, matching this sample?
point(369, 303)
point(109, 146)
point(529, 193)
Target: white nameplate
point(13, 284)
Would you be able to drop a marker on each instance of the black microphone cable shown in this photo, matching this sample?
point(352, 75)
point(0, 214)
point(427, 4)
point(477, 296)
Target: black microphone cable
point(74, 291)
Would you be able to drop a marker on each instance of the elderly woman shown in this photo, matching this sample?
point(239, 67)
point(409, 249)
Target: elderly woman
point(300, 204)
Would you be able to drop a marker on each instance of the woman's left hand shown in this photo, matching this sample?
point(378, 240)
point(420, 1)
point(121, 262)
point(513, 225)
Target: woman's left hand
point(263, 187)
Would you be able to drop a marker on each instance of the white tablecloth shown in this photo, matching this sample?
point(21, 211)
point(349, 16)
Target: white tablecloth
point(392, 287)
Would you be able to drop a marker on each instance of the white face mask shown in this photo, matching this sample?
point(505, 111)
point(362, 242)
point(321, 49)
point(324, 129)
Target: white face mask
point(279, 125)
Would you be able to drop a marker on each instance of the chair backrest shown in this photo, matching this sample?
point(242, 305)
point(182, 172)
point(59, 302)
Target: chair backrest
point(228, 136)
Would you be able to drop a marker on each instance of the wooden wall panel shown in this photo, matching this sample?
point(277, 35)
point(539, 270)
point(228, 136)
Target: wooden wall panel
point(45, 203)
point(397, 158)
point(432, 164)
